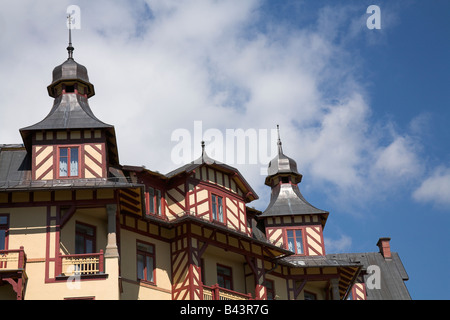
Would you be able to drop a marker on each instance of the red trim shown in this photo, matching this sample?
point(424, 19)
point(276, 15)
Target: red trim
point(226, 277)
point(92, 238)
point(58, 156)
point(144, 253)
point(217, 207)
point(6, 228)
point(303, 234)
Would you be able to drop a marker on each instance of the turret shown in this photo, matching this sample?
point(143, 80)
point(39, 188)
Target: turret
point(290, 220)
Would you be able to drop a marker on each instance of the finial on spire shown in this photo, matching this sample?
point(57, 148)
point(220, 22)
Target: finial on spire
point(280, 149)
point(70, 48)
point(203, 151)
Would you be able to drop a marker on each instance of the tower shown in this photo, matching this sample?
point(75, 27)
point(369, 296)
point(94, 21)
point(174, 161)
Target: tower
point(290, 220)
point(70, 142)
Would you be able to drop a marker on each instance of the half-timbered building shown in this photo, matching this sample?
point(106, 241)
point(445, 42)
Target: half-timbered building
point(77, 224)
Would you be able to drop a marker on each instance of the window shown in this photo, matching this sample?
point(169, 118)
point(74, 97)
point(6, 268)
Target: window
point(68, 162)
point(4, 226)
point(294, 240)
point(84, 238)
point(284, 179)
point(224, 277)
point(217, 208)
point(310, 296)
point(145, 261)
point(270, 288)
point(154, 196)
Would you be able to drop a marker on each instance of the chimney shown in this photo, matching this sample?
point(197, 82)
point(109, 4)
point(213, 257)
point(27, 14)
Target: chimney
point(385, 248)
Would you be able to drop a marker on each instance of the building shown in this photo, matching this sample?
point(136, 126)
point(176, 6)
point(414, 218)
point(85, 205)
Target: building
point(77, 224)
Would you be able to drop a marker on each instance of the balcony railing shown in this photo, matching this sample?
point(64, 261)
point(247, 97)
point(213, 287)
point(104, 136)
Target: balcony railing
point(217, 293)
point(12, 259)
point(81, 264)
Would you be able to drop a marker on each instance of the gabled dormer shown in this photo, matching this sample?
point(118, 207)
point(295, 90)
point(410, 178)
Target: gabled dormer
point(210, 190)
point(70, 142)
point(290, 220)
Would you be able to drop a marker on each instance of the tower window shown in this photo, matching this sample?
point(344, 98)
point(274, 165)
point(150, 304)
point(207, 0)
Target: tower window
point(68, 162)
point(294, 240)
point(217, 208)
point(70, 89)
point(284, 179)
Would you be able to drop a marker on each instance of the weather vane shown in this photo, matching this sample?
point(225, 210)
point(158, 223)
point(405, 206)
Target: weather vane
point(70, 48)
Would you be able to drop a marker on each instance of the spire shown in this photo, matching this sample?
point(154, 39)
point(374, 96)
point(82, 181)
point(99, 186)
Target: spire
point(282, 165)
point(203, 149)
point(280, 149)
point(70, 48)
point(286, 199)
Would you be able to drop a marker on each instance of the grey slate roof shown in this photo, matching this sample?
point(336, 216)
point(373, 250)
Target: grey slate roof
point(70, 70)
point(283, 164)
point(205, 159)
point(286, 199)
point(319, 261)
point(15, 164)
point(15, 174)
point(392, 274)
point(69, 111)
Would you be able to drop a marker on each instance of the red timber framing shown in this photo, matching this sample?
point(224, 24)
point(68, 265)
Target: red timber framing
point(198, 234)
point(60, 206)
point(359, 289)
point(312, 233)
point(189, 237)
point(259, 273)
point(92, 155)
point(194, 196)
point(186, 252)
point(57, 216)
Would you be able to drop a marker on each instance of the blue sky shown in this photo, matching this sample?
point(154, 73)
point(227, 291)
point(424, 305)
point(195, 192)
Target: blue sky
point(363, 112)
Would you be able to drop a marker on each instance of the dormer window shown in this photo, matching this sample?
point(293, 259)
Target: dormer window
point(154, 197)
point(217, 208)
point(68, 162)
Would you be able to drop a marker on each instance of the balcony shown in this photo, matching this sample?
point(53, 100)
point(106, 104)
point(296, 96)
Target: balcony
point(217, 293)
point(12, 260)
point(12, 270)
point(83, 265)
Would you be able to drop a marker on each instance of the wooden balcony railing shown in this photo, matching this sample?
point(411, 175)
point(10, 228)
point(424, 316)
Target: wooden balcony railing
point(81, 264)
point(13, 259)
point(217, 293)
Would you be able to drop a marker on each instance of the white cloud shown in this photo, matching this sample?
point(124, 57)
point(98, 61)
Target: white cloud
point(436, 188)
point(340, 245)
point(159, 65)
point(398, 159)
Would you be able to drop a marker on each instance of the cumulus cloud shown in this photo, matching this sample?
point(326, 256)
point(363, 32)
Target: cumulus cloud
point(339, 245)
point(435, 189)
point(398, 159)
point(161, 65)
